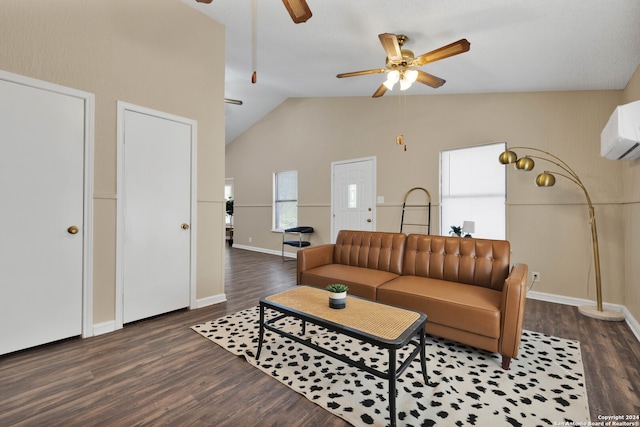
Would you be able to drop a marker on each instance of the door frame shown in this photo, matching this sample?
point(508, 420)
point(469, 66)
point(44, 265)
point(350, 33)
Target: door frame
point(122, 107)
point(373, 189)
point(87, 226)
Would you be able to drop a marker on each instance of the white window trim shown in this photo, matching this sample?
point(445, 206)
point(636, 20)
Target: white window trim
point(274, 200)
point(445, 228)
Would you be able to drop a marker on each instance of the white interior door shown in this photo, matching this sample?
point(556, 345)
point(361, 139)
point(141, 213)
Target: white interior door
point(353, 195)
point(157, 219)
point(42, 149)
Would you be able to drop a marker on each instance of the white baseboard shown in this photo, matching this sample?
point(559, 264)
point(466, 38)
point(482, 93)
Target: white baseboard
point(214, 299)
point(110, 326)
point(632, 322)
point(104, 327)
point(560, 299)
point(266, 251)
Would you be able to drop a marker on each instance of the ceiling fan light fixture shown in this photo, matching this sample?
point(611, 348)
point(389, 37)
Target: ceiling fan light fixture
point(404, 84)
point(400, 63)
point(411, 76)
point(392, 78)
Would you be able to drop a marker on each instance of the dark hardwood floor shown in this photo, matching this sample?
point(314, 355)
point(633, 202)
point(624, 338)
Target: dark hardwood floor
point(159, 372)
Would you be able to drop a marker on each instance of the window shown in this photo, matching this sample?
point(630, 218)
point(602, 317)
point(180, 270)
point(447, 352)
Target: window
point(473, 188)
point(353, 196)
point(285, 200)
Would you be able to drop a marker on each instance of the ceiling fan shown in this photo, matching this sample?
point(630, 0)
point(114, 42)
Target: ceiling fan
point(401, 63)
point(298, 9)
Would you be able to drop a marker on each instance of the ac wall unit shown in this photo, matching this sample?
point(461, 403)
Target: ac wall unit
point(620, 138)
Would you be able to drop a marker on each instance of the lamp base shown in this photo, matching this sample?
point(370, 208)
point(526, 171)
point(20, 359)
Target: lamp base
point(609, 315)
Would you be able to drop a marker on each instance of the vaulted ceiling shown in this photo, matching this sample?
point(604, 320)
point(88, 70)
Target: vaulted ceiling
point(516, 46)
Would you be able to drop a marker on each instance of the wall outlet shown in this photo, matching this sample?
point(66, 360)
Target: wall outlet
point(535, 277)
point(250, 239)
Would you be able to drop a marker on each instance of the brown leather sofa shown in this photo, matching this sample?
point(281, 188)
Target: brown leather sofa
point(466, 286)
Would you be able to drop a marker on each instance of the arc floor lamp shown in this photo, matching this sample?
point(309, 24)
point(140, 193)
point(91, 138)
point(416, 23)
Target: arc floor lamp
point(548, 179)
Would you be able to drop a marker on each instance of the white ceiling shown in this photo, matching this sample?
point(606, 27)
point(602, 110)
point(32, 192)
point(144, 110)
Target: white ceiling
point(516, 46)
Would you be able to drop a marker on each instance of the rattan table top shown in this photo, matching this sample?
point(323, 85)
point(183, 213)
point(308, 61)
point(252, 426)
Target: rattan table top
point(367, 316)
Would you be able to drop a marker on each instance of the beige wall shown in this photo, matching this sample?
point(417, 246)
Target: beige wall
point(632, 206)
point(160, 54)
point(548, 228)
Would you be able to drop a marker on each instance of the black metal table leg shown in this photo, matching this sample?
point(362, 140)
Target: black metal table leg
point(261, 334)
point(423, 351)
point(392, 386)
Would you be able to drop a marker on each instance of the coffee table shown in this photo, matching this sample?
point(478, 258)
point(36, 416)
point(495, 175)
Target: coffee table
point(382, 325)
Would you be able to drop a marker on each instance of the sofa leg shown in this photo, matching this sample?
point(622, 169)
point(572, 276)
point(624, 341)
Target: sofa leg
point(506, 361)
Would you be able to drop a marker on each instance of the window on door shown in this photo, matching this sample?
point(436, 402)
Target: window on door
point(473, 190)
point(285, 200)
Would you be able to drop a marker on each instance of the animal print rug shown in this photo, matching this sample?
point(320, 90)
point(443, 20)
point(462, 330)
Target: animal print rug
point(545, 385)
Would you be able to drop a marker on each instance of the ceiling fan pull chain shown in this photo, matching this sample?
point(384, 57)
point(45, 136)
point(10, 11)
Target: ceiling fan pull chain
point(404, 113)
point(254, 42)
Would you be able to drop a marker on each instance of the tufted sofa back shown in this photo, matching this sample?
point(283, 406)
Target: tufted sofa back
point(478, 262)
point(370, 249)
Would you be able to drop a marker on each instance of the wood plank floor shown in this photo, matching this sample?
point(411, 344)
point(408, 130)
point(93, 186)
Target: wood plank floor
point(159, 372)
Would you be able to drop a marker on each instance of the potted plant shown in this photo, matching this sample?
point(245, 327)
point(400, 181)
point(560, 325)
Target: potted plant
point(337, 295)
point(229, 207)
point(457, 230)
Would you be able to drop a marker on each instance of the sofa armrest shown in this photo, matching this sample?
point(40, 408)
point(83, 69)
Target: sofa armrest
point(514, 296)
point(312, 257)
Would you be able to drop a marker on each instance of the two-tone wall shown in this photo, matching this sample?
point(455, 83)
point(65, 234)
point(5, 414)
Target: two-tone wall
point(548, 228)
point(631, 201)
point(159, 54)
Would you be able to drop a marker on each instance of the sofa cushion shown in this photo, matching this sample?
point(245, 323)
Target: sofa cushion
point(471, 308)
point(479, 262)
point(362, 282)
point(370, 249)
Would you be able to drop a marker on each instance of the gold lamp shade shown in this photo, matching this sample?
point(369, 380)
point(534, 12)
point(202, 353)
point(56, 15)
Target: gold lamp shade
point(507, 157)
point(545, 179)
point(525, 164)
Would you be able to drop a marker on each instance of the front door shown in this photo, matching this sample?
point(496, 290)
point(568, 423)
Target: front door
point(157, 226)
point(353, 195)
point(42, 179)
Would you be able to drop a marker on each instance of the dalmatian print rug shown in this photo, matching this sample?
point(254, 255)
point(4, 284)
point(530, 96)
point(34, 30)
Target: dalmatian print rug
point(467, 387)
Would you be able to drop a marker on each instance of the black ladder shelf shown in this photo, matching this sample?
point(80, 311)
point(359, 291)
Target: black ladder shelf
point(428, 206)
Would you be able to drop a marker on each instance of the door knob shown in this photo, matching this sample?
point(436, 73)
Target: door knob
point(72, 230)
point(368, 219)
point(185, 226)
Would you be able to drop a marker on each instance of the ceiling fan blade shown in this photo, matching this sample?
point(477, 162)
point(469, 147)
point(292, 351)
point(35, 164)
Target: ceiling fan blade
point(204, 1)
point(298, 9)
point(362, 73)
point(380, 91)
point(429, 79)
point(452, 49)
point(391, 46)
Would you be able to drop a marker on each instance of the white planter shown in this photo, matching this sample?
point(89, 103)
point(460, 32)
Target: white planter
point(338, 300)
